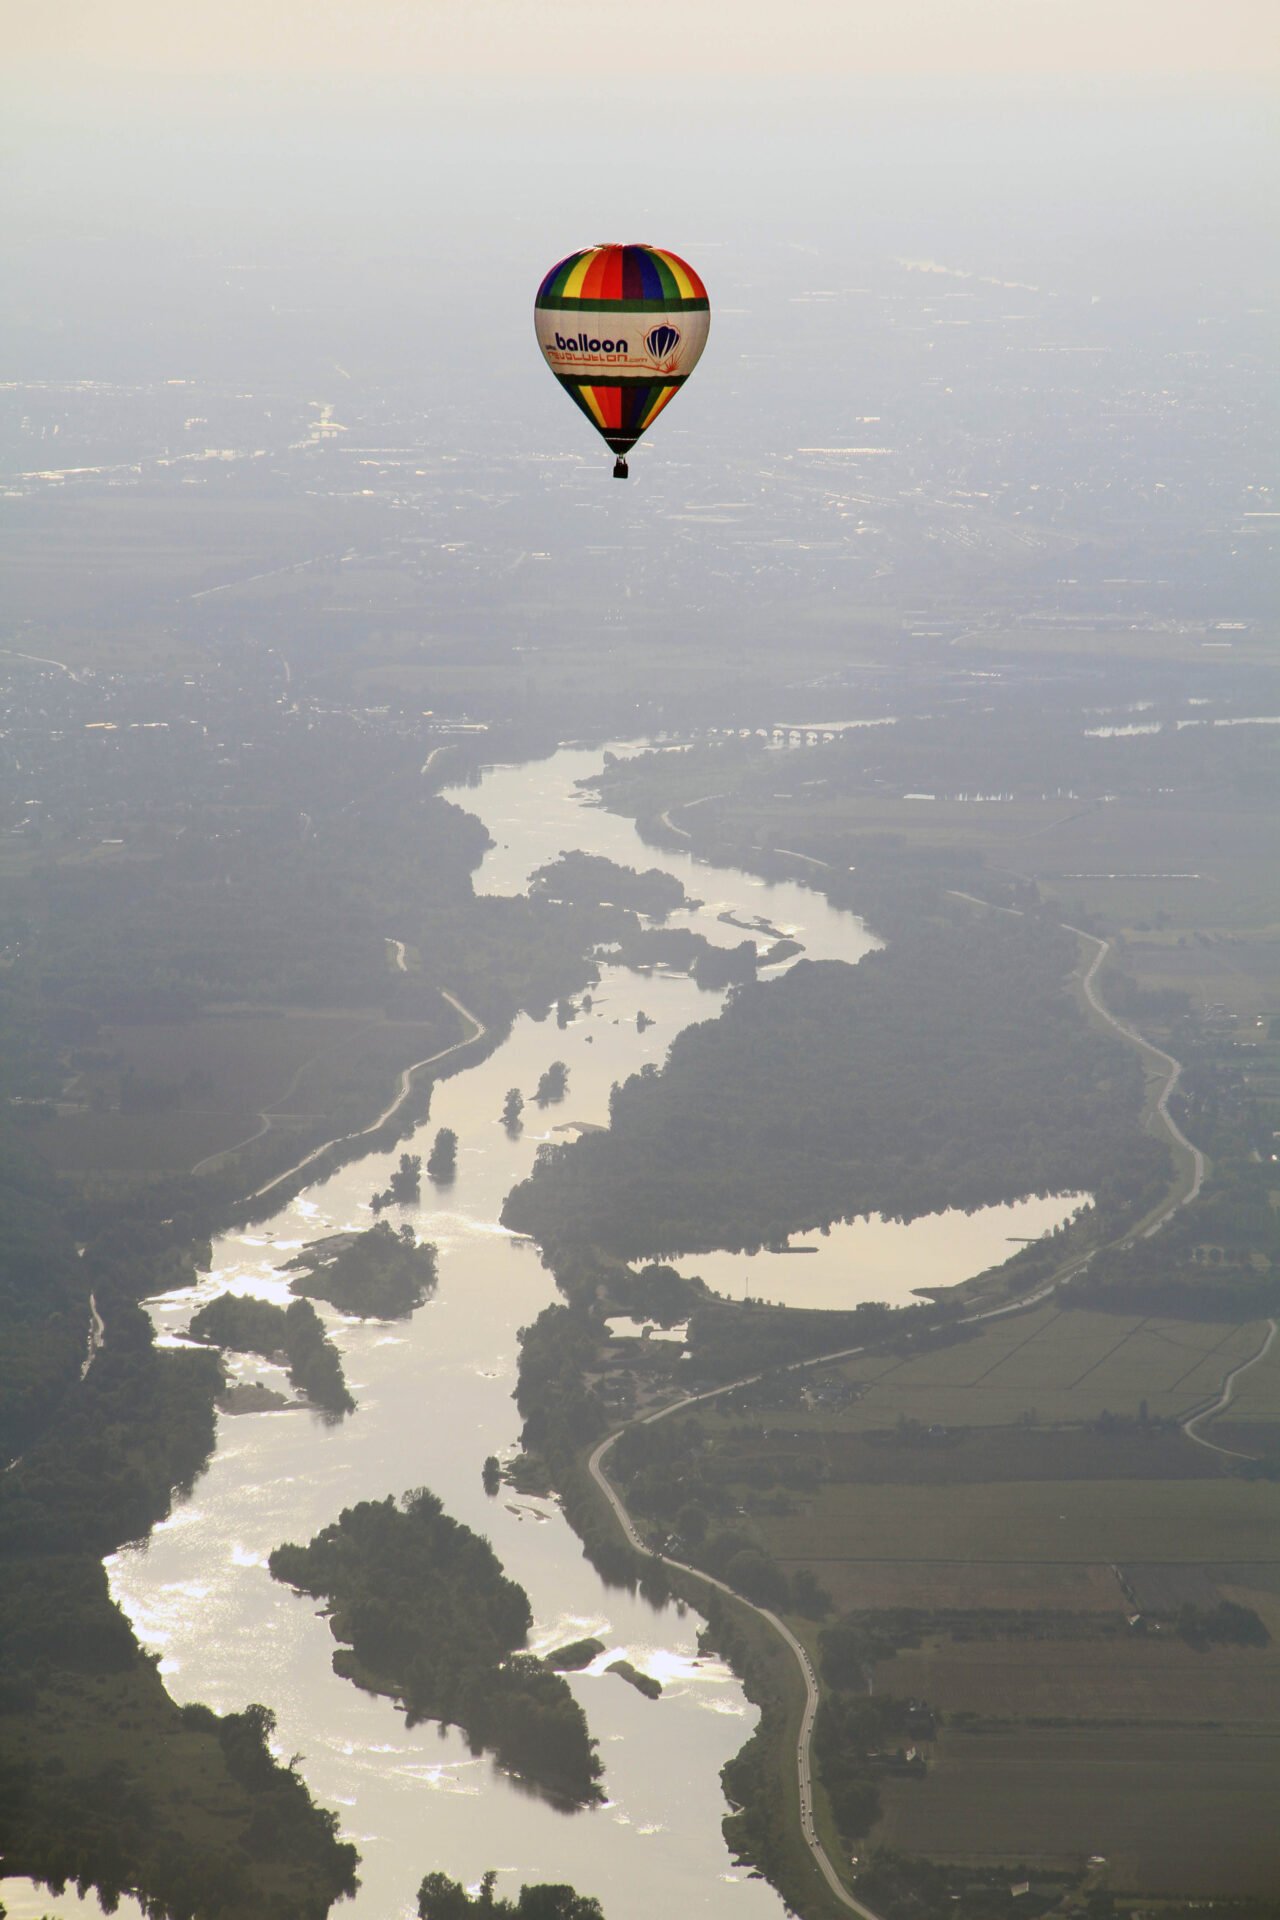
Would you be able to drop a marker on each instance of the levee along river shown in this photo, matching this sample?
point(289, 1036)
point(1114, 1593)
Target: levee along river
point(434, 1398)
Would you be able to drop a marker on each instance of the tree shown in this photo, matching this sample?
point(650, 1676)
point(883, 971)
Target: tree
point(440, 1898)
point(551, 1087)
point(442, 1161)
point(512, 1108)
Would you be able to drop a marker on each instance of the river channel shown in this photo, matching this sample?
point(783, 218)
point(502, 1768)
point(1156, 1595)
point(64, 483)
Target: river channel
point(434, 1398)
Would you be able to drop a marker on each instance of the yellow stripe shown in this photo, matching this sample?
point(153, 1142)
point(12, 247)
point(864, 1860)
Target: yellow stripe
point(597, 411)
point(661, 401)
point(682, 280)
point(573, 285)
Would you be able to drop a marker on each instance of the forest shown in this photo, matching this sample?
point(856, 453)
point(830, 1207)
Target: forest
point(428, 1616)
point(956, 1072)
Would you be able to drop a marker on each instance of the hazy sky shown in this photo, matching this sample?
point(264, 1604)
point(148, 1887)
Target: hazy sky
point(608, 37)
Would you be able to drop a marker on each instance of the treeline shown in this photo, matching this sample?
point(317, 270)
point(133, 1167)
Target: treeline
point(430, 1618)
point(440, 1898)
point(562, 1417)
point(955, 1071)
point(247, 1325)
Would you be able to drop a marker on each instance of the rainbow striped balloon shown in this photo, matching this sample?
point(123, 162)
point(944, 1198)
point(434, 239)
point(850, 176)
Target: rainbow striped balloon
point(622, 328)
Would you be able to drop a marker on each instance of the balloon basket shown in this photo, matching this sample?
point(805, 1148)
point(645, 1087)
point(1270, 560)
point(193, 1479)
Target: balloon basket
point(620, 469)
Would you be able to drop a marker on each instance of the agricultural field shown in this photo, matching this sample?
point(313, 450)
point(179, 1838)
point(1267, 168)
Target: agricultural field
point(1047, 1366)
point(198, 1088)
point(1092, 1521)
point(1029, 1495)
point(1122, 1677)
point(1174, 1811)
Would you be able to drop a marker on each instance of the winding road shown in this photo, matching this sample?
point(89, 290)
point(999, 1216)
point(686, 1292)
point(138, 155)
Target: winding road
point(804, 1739)
point(595, 1463)
point(1224, 1400)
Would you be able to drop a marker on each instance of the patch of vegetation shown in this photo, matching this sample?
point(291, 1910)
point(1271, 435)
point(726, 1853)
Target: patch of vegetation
point(431, 1619)
point(247, 1325)
point(572, 1657)
point(642, 1682)
point(380, 1275)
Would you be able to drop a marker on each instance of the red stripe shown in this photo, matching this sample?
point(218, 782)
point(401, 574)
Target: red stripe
point(610, 400)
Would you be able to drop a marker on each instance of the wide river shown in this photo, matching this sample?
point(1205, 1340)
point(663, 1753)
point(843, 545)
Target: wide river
point(434, 1398)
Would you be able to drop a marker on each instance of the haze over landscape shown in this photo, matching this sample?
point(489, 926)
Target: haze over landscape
point(639, 1130)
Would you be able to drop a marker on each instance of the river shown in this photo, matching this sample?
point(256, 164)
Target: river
point(434, 1398)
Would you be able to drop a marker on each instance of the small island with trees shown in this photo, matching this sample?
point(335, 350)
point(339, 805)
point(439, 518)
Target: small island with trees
point(379, 1275)
point(429, 1617)
point(442, 1161)
point(246, 1325)
point(590, 880)
point(553, 1085)
point(404, 1186)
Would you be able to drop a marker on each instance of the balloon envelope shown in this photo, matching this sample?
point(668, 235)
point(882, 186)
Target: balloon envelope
point(622, 328)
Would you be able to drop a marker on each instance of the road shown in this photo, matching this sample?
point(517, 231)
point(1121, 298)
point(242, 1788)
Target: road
point(670, 824)
point(1161, 1107)
point(1224, 1400)
point(804, 1739)
point(1147, 1047)
point(393, 1107)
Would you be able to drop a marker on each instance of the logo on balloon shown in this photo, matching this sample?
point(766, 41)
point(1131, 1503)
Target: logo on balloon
point(662, 343)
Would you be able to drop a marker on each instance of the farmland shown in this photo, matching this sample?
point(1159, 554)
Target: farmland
point(1006, 1507)
point(1048, 1364)
point(1202, 1823)
point(213, 1081)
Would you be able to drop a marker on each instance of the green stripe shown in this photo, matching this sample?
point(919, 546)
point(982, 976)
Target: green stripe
point(557, 303)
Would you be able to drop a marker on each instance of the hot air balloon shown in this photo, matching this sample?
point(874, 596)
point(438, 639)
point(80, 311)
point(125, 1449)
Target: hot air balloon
point(622, 328)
